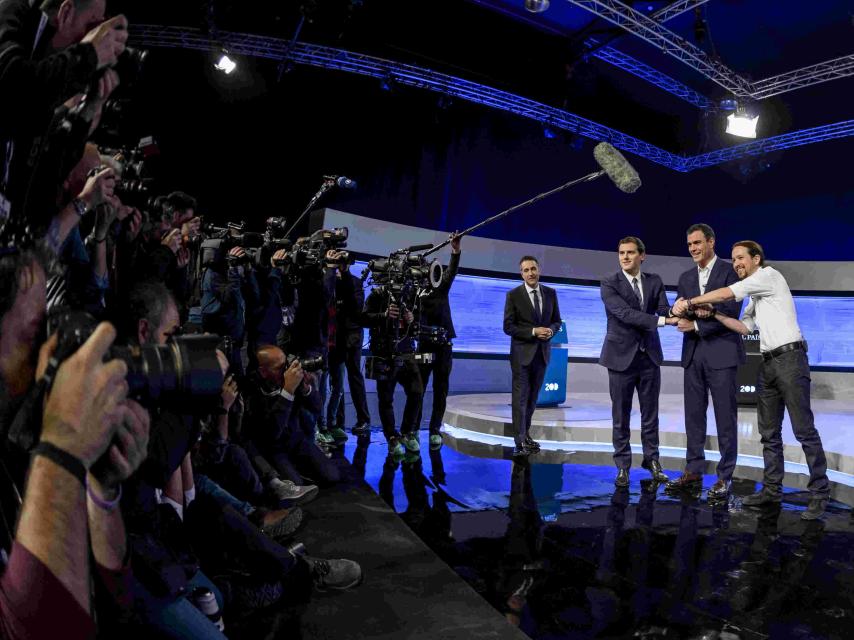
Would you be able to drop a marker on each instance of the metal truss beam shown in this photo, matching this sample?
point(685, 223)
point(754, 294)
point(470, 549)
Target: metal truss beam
point(675, 9)
point(807, 76)
point(411, 75)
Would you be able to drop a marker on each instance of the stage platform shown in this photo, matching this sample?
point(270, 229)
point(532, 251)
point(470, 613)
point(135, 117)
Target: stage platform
point(579, 430)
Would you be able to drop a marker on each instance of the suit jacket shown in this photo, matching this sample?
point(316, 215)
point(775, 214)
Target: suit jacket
point(727, 348)
point(519, 323)
point(629, 325)
point(435, 308)
point(349, 302)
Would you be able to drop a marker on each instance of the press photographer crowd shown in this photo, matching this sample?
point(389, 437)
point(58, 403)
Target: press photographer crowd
point(170, 390)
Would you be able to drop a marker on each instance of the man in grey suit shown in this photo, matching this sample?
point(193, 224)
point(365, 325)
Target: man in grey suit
point(531, 318)
point(636, 306)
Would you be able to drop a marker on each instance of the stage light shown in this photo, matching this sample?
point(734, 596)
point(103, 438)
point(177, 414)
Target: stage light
point(741, 124)
point(225, 64)
point(536, 6)
point(548, 133)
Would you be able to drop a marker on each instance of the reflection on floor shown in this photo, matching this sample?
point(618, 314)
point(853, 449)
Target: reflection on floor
point(561, 553)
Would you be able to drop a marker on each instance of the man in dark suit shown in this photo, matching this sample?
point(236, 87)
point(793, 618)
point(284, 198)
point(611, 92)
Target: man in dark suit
point(636, 306)
point(711, 354)
point(436, 311)
point(531, 318)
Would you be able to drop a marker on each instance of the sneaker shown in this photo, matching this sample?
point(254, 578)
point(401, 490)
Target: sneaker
point(287, 490)
point(361, 429)
point(334, 574)
point(395, 447)
point(435, 441)
point(410, 441)
point(761, 497)
point(281, 523)
point(323, 437)
point(815, 509)
point(338, 434)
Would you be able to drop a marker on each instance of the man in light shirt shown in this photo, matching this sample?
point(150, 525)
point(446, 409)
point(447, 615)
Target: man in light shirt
point(784, 377)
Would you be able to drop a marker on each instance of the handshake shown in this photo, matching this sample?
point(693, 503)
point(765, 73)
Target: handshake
point(685, 313)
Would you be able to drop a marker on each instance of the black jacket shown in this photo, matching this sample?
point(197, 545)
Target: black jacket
point(519, 323)
point(349, 302)
point(382, 327)
point(273, 421)
point(435, 307)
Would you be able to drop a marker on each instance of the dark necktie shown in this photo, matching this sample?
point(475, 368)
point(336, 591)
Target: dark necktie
point(537, 313)
point(637, 291)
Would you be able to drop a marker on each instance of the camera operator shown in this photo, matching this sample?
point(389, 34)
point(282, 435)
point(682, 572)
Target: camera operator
point(436, 311)
point(279, 392)
point(228, 289)
point(385, 318)
point(85, 412)
point(49, 53)
point(273, 289)
point(345, 350)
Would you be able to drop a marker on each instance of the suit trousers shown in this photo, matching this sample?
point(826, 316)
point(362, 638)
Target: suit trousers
point(441, 369)
point(527, 380)
point(410, 379)
point(645, 376)
point(784, 382)
point(700, 379)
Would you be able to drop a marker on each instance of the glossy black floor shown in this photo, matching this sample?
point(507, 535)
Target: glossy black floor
point(561, 553)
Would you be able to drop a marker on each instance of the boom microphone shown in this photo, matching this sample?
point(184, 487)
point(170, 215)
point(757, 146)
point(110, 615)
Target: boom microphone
point(617, 167)
point(420, 247)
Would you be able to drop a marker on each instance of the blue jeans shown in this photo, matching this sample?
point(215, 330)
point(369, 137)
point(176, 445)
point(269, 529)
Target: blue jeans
point(178, 618)
point(206, 486)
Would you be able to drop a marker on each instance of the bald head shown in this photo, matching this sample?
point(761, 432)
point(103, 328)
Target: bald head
point(271, 363)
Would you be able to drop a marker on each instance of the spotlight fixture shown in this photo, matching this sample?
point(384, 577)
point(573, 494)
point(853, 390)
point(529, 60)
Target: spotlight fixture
point(225, 64)
point(741, 123)
point(536, 6)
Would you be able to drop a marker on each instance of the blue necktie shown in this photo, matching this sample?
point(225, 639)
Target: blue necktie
point(537, 313)
point(637, 291)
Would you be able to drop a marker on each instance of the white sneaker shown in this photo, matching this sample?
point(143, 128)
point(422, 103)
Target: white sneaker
point(287, 490)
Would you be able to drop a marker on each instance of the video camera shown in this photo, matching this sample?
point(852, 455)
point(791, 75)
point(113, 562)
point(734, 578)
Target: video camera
point(308, 256)
point(136, 183)
point(404, 276)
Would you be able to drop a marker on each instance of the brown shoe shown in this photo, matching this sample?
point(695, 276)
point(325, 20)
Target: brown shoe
point(686, 482)
point(719, 490)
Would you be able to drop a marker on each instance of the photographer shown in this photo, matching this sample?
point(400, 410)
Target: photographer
point(436, 311)
point(280, 391)
point(49, 53)
point(389, 324)
point(228, 289)
point(85, 412)
point(345, 350)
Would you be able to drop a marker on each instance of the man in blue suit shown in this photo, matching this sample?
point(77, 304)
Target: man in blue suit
point(711, 354)
point(531, 318)
point(636, 306)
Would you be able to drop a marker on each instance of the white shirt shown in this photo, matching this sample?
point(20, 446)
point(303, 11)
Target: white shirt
point(771, 308)
point(639, 276)
point(703, 273)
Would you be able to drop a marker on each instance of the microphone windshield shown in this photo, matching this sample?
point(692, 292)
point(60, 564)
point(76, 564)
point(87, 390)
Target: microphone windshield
point(345, 183)
point(617, 167)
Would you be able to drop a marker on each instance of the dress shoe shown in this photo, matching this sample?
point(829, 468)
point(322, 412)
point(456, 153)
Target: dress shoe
point(719, 490)
point(761, 498)
point(686, 482)
point(522, 450)
point(815, 509)
point(622, 479)
point(654, 468)
point(362, 428)
point(531, 444)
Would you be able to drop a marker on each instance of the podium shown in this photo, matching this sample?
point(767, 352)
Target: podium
point(747, 375)
point(553, 391)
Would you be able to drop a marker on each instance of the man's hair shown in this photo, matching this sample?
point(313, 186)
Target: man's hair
point(753, 248)
point(51, 7)
point(633, 240)
point(708, 232)
point(147, 301)
point(13, 265)
point(531, 258)
point(179, 201)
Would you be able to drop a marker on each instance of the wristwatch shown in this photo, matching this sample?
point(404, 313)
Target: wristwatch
point(80, 207)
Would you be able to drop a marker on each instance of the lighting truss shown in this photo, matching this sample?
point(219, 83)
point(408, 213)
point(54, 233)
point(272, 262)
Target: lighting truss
point(651, 29)
point(645, 72)
point(776, 143)
point(411, 75)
